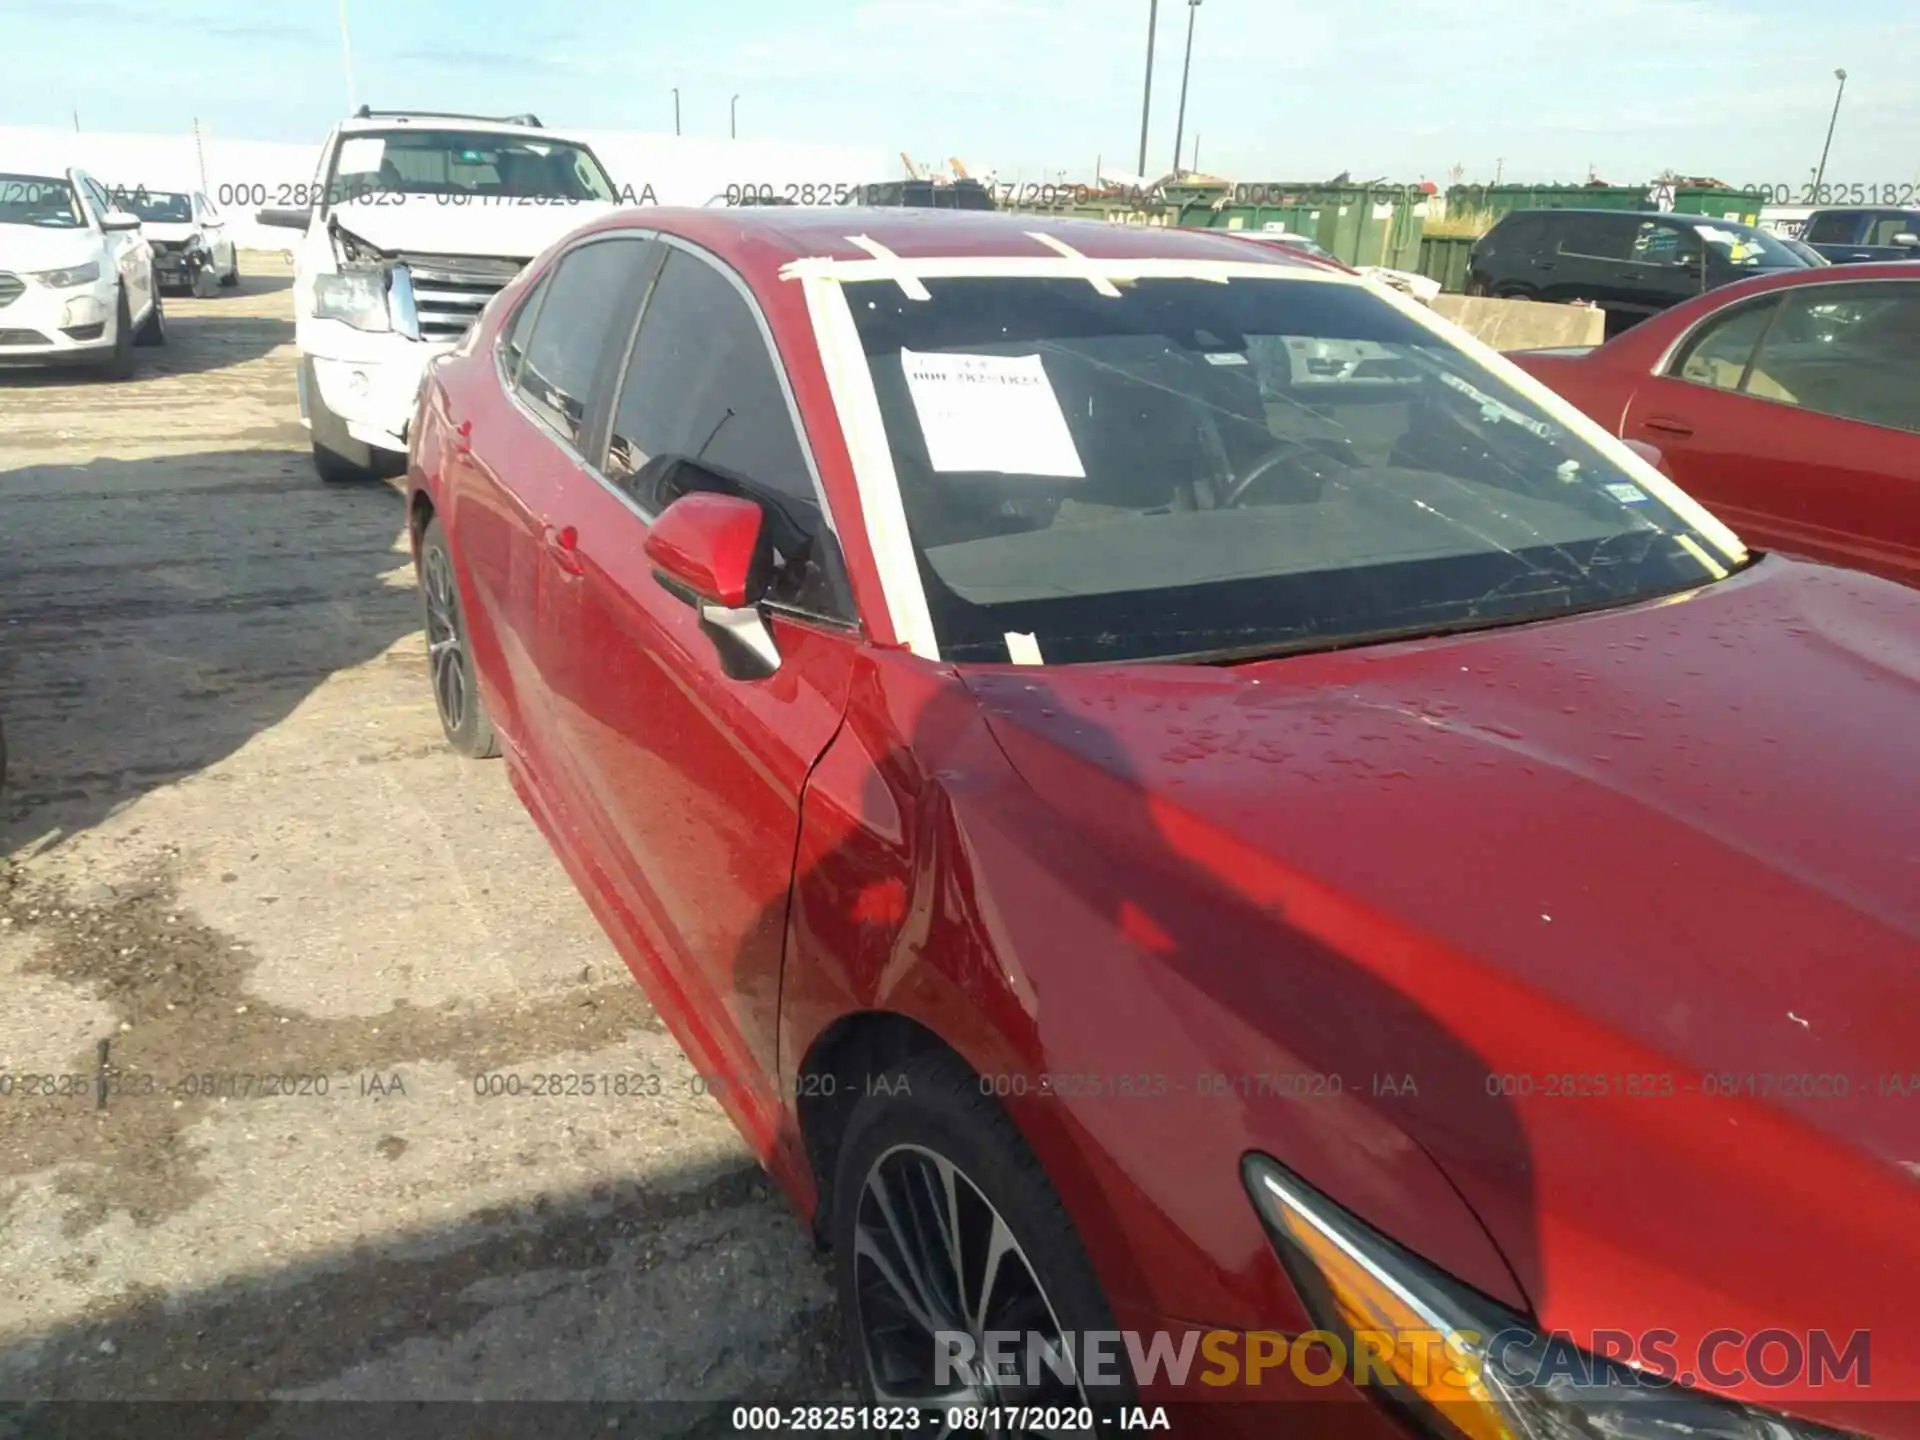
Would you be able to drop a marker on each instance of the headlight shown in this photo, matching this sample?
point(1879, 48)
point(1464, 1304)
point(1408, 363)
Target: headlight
point(66, 279)
point(358, 297)
point(1462, 1365)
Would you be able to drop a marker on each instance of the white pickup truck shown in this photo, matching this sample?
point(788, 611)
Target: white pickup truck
point(414, 221)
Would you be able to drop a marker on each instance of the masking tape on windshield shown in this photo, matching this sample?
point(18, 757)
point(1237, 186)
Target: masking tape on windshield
point(909, 286)
point(1692, 547)
point(850, 383)
point(1023, 649)
point(1099, 282)
point(900, 269)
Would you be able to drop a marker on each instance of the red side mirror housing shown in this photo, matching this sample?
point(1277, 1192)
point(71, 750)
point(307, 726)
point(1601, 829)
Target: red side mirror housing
point(1650, 452)
point(709, 547)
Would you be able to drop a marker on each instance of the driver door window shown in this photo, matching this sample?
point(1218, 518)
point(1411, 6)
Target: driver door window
point(701, 383)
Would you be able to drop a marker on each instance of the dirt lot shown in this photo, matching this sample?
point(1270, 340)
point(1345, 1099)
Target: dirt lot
point(263, 938)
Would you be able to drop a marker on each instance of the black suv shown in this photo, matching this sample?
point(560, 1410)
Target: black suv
point(1864, 233)
point(1630, 263)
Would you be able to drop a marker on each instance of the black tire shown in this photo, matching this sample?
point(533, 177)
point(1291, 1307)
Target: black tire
point(231, 280)
point(153, 329)
point(937, 1111)
point(463, 720)
point(117, 363)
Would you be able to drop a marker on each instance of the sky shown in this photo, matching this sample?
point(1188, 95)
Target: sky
point(1403, 90)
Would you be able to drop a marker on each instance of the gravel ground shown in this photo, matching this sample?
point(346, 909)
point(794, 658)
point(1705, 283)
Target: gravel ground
point(263, 938)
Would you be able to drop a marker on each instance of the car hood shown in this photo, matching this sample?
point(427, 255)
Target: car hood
point(504, 229)
point(25, 248)
point(1680, 839)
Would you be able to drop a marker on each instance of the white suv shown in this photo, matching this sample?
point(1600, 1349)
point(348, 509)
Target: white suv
point(414, 221)
point(76, 274)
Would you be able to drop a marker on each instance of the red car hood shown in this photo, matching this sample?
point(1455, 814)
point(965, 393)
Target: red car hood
point(1679, 841)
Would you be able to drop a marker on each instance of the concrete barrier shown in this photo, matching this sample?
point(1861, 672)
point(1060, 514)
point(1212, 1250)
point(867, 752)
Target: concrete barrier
point(1522, 324)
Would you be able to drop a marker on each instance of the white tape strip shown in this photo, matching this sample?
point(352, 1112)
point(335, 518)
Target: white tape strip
point(1023, 649)
point(909, 285)
point(1054, 242)
point(1030, 267)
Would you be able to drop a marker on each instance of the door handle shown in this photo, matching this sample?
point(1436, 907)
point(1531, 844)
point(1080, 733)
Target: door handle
point(1862, 255)
point(463, 438)
point(563, 548)
point(1666, 425)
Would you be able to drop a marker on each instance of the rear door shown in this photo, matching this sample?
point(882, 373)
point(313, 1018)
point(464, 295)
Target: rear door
point(1591, 262)
point(518, 426)
point(694, 778)
point(1836, 234)
point(1796, 418)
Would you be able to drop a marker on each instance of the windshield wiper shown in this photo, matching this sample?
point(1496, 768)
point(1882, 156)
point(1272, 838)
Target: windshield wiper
point(1428, 630)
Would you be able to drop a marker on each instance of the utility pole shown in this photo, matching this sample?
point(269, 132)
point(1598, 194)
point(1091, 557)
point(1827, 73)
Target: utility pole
point(1821, 173)
point(733, 119)
point(76, 122)
point(676, 109)
point(1196, 152)
point(1146, 94)
point(346, 60)
point(1180, 125)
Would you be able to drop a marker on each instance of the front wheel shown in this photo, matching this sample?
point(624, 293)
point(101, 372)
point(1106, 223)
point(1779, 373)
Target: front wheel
point(950, 1246)
point(232, 278)
point(456, 695)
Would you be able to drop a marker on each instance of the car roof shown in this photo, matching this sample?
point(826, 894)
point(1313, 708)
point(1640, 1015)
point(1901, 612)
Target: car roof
point(1674, 215)
point(427, 120)
point(758, 240)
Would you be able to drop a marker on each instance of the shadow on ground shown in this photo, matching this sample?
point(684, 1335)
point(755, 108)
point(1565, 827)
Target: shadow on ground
point(156, 614)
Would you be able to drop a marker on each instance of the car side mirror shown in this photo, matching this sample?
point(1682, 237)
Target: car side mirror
point(1906, 237)
point(707, 550)
point(284, 219)
point(119, 220)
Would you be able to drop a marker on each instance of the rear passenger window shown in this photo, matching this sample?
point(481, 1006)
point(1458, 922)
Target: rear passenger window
point(567, 347)
point(702, 384)
point(515, 344)
point(1604, 237)
point(1836, 227)
point(1719, 353)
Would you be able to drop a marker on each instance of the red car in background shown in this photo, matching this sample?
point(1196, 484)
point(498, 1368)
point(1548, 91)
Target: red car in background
point(1169, 796)
point(1789, 404)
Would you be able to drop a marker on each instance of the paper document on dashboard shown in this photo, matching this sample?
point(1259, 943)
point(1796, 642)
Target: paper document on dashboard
point(995, 413)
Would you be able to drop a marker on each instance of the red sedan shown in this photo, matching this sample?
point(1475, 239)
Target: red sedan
point(1789, 403)
point(1212, 834)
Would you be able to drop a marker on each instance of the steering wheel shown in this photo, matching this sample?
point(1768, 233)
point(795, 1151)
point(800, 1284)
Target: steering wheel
point(1304, 456)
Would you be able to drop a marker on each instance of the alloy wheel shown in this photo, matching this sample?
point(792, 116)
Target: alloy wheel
point(446, 655)
point(933, 1257)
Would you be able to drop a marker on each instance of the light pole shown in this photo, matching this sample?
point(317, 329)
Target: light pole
point(346, 60)
point(676, 109)
point(1146, 94)
point(1821, 173)
point(733, 118)
point(1180, 125)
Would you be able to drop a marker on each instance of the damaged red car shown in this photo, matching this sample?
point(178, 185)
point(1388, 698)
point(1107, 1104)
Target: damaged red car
point(1207, 829)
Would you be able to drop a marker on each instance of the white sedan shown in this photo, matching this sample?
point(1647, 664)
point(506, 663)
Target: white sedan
point(76, 274)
